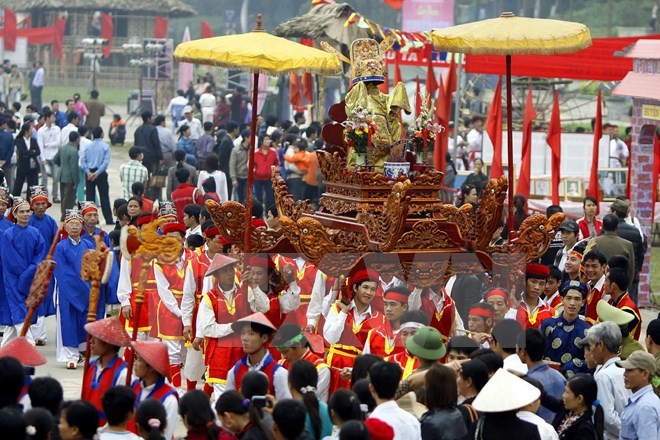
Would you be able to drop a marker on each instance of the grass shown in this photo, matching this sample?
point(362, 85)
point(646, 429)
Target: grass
point(655, 272)
point(113, 96)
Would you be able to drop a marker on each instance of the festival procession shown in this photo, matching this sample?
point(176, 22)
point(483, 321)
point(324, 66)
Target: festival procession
point(377, 220)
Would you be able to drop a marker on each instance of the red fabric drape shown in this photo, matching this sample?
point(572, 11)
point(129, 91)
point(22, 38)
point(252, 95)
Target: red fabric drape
point(494, 130)
point(107, 31)
point(431, 83)
point(418, 100)
point(597, 62)
point(397, 71)
point(56, 36)
point(9, 31)
point(295, 93)
point(526, 165)
point(594, 190)
point(450, 85)
point(308, 87)
point(441, 139)
point(554, 141)
point(205, 30)
point(394, 4)
point(160, 27)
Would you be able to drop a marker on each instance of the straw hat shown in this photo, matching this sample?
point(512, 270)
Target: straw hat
point(505, 392)
point(21, 349)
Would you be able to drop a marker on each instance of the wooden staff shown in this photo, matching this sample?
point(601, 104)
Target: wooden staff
point(152, 246)
point(95, 268)
point(39, 287)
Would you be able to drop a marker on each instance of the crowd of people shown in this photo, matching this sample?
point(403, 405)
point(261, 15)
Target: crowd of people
point(270, 347)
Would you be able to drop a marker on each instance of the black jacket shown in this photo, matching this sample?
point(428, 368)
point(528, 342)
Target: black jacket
point(631, 234)
point(26, 153)
point(443, 424)
point(582, 429)
point(503, 426)
point(146, 136)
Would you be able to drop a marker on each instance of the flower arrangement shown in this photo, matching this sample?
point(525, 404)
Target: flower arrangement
point(425, 130)
point(358, 129)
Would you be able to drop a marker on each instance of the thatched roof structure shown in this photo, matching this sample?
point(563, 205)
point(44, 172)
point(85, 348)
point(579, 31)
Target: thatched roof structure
point(171, 8)
point(324, 21)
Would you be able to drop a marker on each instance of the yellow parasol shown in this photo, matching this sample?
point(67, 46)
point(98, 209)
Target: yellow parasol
point(256, 52)
point(510, 35)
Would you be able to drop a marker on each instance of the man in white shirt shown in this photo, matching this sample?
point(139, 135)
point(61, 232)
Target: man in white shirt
point(49, 140)
point(195, 125)
point(384, 380)
point(207, 103)
point(175, 108)
point(475, 138)
point(603, 342)
point(460, 142)
point(618, 149)
point(505, 335)
point(37, 85)
point(528, 414)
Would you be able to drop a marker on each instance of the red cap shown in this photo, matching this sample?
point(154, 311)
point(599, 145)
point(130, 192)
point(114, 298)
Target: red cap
point(21, 349)
point(362, 275)
point(219, 261)
point(378, 429)
point(144, 219)
point(259, 223)
point(110, 331)
point(497, 292)
point(211, 232)
point(255, 318)
point(535, 270)
point(261, 260)
point(155, 354)
point(174, 227)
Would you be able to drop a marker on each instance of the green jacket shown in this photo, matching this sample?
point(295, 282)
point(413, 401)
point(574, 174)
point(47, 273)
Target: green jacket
point(628, 346)
point(656, 377)
point(67, 159)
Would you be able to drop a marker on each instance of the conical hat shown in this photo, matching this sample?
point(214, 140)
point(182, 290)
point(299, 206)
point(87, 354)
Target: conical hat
point(26, 353)
point(255, 318)
point(607, 312)
point(219, 261)
point(110, 331)
point(155, 354)
point(505, 392)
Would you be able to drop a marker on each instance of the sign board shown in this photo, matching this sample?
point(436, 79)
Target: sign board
point(651, 112)
point(422, 15)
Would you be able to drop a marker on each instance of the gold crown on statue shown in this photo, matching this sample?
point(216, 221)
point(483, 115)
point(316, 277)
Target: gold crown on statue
point(367, 63)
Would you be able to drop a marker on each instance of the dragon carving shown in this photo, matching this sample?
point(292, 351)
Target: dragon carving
point(489, 213)
point(535, 235)
point(385, 228)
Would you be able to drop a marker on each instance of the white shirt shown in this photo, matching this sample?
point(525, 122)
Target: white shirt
point(111, 435)
point(171, 404)
point(49, 140)
point(196, 230)
point(546, 431)
point(207, 325)
point(280, 378)
point(404, 424)
point(207, 100)
point(220, 183)
point(513, 362)
point(163, 287)
point(334, 323)
point(475, 140)
point(618, 151)
point(195, 127)
point(289, 299)
point(613, 396)
point(84, 143)
point(189, 290)
point(124, 285)
point(64, 133)
point(177, 101)
point(38, 80)
point(316, 300)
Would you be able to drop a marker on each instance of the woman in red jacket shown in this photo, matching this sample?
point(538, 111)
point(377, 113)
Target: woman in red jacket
point(589, 225)
point(264, 159)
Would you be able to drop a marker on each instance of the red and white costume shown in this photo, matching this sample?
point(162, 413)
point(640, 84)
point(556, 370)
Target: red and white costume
point(532, 318)
point(595, 294)
point(439, 307)
point(129, 277)
point(323, 384)
point(305, 273)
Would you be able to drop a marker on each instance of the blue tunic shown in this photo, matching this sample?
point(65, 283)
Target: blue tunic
point(21, 250)
point(5, 316)
point(72, 291)
point(109, 290)
point(48, 228)
point(562, 343)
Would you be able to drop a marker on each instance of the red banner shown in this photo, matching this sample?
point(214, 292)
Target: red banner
point(56, 35)
point(107, 31)
point(9, 31)
point(160, 27)
point(597, 63)
point(205, 29)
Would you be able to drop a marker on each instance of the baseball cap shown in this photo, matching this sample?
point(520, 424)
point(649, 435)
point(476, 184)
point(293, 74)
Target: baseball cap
point(639, 360)
point(570, 225)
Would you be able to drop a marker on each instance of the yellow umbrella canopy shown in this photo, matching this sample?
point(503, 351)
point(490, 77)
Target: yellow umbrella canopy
point(511, 35)
point(257, 52)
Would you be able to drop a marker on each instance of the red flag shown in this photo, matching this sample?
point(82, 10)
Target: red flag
point(58, 38)
point(526, 166)
point(160, 27)
point(397, 70)
point(308, 87)
point(295, 94)
point(418, 100)
point(594, 190)
point(394, 4)
point(206, 30)
point(441, 139)
point(431, 83)
point(554, 141)
point(450, 85)
point(494, 130)
point(10, 30)
point(107, 31)
point(385, 86)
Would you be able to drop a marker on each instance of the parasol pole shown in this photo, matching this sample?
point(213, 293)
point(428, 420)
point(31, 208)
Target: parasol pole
point(509, 141)
point(39, 287)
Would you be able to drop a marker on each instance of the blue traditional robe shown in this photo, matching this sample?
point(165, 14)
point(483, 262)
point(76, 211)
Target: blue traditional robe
point(72, 291)
point(48, 228)
point(562, 343)
point(21, 250)
point(5, 316)
point(109, 290)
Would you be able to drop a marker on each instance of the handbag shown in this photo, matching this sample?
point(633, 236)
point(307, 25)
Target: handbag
point(159, 178)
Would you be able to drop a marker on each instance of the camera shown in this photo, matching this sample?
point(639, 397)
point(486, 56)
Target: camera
point(261, 402)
